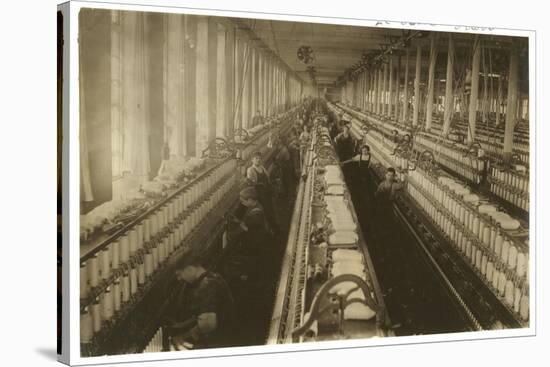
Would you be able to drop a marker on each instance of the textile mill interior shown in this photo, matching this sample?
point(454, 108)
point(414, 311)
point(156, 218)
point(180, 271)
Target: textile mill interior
point(251, 182)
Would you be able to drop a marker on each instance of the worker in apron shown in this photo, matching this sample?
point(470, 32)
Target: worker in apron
point(358, 167)
point(258, 177)
point(206, 312)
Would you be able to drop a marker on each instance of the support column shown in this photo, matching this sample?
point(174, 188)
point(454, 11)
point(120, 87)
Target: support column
point(116, 94)
point(379, 92)
point(484, 101)
point(238, 83)
point(417, 85)
point(230, 47)
point(384, 107)
point(511, 104)
point(431, 72)
point(221, 110)
point(212, 79)
point(405, 112)
point(397, 80)
point(190, 51)
point(275, 86)
point(474, 91)
point(360, 86)
point(390, 88)
point(278, 89)
point(372, 92)
point(203, 84)
point(356, 91)
point(374, 88)
point(268, 86)
point(175, 84)
point(247, 88)
point(261, 83)
point(449, 105)
point(365, 90)
point(253, 84)
point(499, 100)
point(155, 90)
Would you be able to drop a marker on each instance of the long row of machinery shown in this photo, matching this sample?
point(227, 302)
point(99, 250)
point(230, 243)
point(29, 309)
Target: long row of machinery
point(121, 271)
point(328, 288)
point(482, 248)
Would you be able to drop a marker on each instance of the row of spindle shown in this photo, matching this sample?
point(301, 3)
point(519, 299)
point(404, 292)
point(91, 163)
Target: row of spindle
point(454, 159)
point(485, 138)
point(488, 137)
point(501, 262)
point(511, 186)
point(156, 344)
point(495, 150)
point(126, 264)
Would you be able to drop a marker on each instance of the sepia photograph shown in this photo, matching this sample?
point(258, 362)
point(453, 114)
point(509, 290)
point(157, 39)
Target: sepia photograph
point(253, 181)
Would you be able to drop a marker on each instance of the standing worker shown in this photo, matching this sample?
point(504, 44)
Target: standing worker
point(284, 162)
point(359, 168)
point(250, 233)
point(294, 150)
point(345, 143)
point(385, 196)
point(258, 177)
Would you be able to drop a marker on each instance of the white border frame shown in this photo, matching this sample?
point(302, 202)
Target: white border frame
point(165, 6)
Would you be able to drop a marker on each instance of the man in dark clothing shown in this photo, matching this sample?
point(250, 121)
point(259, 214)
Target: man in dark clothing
point(294, 150)
point(250, 232)
point(345, 143)
point(207, 311)
point(385, 196)
point(283, 161)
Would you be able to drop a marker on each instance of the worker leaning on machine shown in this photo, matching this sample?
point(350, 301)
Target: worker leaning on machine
point(206, 313)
